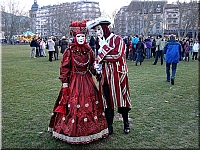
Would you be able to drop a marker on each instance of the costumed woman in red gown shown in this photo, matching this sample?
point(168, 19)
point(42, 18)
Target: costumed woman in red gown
point(78, 116)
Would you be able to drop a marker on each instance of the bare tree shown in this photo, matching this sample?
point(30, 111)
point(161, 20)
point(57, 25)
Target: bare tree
point(194, 17)
point(61, 19)
point(113, 14)
point(188, 18)
point(141, 17)
point(14, 20)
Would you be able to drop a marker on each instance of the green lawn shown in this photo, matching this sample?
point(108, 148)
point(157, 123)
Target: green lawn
point(162, 115)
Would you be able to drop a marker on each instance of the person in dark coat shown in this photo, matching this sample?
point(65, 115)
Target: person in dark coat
point(63, 44)
point(139, 51)
point(97, 46)
point(92, 43)
point(153, 48)
point(34, 44)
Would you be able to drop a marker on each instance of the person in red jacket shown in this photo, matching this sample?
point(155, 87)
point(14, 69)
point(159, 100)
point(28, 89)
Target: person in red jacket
point(78, 116)
point(111, 65)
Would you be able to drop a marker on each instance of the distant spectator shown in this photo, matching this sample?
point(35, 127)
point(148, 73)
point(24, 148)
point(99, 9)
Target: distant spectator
point(42, 48)
point(34, 44)
point(92, 43)
point(159, 52)
point(195, 50)
point(186, 52)
point(153, 48)
point(56, 48)
point(172, 50)
point(148, 44)
point(97, 46)
point(63, 44)
point(128, 45)
point(139, 51)
point(51, 48)
point(38, 48)
point(135, 39)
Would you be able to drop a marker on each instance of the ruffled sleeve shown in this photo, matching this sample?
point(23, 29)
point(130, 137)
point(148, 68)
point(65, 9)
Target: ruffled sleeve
point(65, 67)
point(92, 59)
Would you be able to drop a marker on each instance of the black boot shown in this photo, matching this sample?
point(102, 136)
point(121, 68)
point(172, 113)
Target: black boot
point(126, 127)
point(109, 118)
point(126, 123)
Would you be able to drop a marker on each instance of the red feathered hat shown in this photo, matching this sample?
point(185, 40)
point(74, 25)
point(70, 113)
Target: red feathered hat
point(78, 27)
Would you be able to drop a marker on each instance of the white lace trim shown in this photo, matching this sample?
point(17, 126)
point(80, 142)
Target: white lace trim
point(50, 129)
point(81, 139)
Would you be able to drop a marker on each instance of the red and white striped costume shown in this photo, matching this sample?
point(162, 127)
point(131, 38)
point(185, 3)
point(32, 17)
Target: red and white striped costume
point(115, 71)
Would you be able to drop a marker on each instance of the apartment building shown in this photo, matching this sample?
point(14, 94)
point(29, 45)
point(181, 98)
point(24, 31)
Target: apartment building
point(141, 18)
point(147, 17)
point(55, 19)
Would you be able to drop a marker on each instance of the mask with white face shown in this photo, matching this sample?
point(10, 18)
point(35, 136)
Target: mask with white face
point(80, 38)
point(99, 31)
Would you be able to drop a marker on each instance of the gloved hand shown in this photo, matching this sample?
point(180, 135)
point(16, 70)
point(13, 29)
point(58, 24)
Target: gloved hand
point(65, 85)
point(100, 50)
point(98, 67)
point(102, 42)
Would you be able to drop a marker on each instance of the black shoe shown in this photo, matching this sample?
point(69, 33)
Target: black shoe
point(110, 129)
point(136, 64)
point(153, 64)
point(172, 81)
point(126, 128)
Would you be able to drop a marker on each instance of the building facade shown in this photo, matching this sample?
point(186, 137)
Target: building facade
point(55, 20)
point(140, 18)
point(151, 18)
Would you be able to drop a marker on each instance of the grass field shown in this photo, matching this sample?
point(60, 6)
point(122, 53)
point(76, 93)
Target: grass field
point(163, 115)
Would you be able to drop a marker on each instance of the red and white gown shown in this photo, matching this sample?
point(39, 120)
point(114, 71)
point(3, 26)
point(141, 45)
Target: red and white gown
point(78, 116)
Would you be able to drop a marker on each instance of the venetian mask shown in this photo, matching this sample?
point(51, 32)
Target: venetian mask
point(99, 31)
point(80, 38)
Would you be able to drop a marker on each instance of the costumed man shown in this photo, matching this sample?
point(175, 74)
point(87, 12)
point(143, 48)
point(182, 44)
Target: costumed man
point(111, 65)
point(78, 115)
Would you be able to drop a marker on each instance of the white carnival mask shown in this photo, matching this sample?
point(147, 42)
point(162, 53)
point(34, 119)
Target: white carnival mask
point(99, 31)
point(80, 38)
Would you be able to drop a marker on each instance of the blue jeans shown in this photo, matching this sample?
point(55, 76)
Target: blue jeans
point(148, 53)
point(174, 66)
point(139, 57)
point(133, 54)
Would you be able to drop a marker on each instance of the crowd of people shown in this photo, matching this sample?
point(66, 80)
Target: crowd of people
point(153, 48)
point(147, 47)
point(53, 45)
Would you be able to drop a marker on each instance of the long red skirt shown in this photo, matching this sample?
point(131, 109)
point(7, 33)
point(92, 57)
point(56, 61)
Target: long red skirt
point(78, 116)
